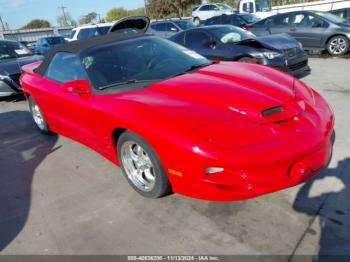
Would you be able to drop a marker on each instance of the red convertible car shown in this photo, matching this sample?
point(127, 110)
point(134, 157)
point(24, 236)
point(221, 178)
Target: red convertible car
point(176, 122)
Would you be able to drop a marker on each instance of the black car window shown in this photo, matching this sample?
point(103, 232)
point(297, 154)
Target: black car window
point(306, 20)
point(216, 20)
point(157, 27)
point(170, 27)
point(235, 20)
point(347, 13)
point(213, 8)
point(282, 20)
point(65, 67)
point(179, 38)
point(340, 13)
point(10, 50)
point(184, 24)
point(248, 7)
point(86, 33)
point(196, 39)
point(204, 8)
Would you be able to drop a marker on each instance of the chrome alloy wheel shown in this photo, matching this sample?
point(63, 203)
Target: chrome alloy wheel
point(337, 46)
point(138, 166)
point(38, 116)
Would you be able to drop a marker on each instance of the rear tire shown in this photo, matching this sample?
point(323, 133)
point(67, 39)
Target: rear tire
point(142, 167)
point(38, 117)
point(338, 45)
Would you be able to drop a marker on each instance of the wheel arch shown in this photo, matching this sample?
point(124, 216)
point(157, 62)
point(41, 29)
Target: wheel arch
point(338, 34)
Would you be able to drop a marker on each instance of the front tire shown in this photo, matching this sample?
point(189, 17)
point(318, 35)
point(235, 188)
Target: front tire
point(338, 45)
point(38, 117)
point(196, 21)
point(142, 167)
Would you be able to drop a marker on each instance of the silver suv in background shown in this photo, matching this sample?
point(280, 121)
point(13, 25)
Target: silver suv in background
point(206, 11)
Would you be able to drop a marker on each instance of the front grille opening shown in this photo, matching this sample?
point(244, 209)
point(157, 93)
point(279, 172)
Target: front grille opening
point(272, 111)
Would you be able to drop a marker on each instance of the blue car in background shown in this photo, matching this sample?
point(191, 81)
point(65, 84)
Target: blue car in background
point(44, 44)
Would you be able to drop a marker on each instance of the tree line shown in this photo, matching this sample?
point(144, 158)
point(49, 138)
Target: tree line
point(155, 9)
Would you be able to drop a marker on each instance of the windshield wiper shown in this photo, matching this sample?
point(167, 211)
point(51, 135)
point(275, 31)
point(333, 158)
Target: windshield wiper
point(128, 82)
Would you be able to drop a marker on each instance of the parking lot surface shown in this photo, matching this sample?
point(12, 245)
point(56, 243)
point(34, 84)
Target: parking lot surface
point(59, 197)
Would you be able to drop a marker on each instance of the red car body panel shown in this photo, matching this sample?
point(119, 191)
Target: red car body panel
point(210, 118)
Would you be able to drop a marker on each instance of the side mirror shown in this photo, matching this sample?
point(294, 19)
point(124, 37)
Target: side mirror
point(174, 29)
point(78, 87)
point(45, 45)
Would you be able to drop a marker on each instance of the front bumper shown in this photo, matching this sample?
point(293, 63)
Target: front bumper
point(302, 151)
point(295, 66)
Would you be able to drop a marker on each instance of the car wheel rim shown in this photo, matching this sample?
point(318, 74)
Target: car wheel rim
point(138, 166)
point(37, 116)
point(338, 46)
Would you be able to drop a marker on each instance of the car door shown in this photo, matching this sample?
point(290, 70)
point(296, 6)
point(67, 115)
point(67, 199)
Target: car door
point(202, 43)
point(308, 29)
point(67, 113)
point(279, 24)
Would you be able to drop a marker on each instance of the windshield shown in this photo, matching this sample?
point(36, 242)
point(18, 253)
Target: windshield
point(231, 34)
point(10, 50)
point(250, 18)
point(332, 18)
point(148, 59)
point(263, 5)
point(223, 7)
point(55, 40)
point(184, 25)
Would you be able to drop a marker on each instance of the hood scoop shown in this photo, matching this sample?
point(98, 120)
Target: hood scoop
point(277, 114)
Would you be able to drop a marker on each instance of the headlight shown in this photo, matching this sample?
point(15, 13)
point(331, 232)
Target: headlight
point(272, 55)
point(303, 92)
point(300, 45)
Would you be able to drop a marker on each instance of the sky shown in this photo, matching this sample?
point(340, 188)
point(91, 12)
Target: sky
point(17, 13)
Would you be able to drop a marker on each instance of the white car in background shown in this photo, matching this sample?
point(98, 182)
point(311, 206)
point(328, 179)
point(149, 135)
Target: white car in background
point(89, 31)
point(206, 11)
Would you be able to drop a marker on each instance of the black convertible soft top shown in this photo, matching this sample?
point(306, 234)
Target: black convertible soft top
point(77, 47)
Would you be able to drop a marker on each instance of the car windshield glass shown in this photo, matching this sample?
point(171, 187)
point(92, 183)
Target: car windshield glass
point(103, 29)
point(250, 18)
point(55, 40)
point(146, 60)
point(184, 25)
point(231, 34)
point(262, 5)
point(223, 7)
point(10, 50)
point(331, 17)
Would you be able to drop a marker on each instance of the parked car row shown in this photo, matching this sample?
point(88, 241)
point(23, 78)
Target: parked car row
point(13, 55)
point(175, 121)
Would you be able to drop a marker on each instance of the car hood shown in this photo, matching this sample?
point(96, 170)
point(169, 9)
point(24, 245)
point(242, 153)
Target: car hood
point(13, 66)
point(276, 42)
point(234, 90)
